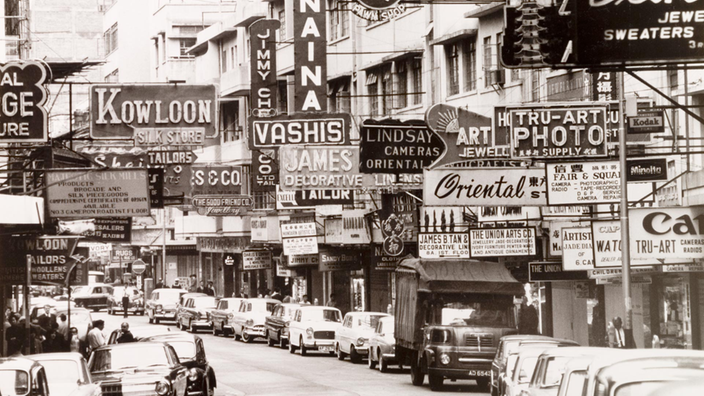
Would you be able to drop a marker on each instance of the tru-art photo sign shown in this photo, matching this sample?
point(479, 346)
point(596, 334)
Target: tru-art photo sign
point(667, 233)
point(443, 245)
point(24, 118)
point(480, 187)
point(502, 242)
point(557, 132)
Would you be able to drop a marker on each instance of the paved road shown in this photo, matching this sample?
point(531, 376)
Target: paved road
point(256, 369)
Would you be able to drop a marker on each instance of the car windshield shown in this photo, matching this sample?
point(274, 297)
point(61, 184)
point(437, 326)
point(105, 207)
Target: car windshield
point(80, 290)
point(527, 368)
point(61, 371)
point(123, 358)
point(169, 295)
point(638, 388)
point(184, 349)
point(368, 321)
point(554, 370)
point(204, 302)
point(475, 314)
point(14, 382)
point(575, 383)
point(327, 315)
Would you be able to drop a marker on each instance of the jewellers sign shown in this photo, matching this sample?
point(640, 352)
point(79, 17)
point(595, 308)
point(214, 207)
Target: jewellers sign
point(256, 260)
point(154, 115)
point(218, 205)
point(396, 147)
point(667, 233)
point(443, 245)
point(502, 242)
point(318, 129)
point(480, 187)
point(556, 132)
point(651, 121)
point(24, 118)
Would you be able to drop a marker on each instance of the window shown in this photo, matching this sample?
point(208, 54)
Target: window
point(184, 44)
point(339, 20)
point(340, 95)
point(488, 60)
point(452, 53)
point(188, 30)
point(469, 49)
point(417, 81)
point(110, 39)
point(263, 200)
point(283, 96)
point(535, 86)
point(223, 60)
point(372, 91)
point(386, 90)
point(672, 78)
point(282, 28)
point(233, 53)
point(401, 83)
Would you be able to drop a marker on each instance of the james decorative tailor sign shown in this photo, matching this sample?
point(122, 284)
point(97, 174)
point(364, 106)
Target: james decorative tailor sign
point(23, 95)
point(667, 233)
point(551, 271)
point(478, 187)
point(310, 56)
point(308, 199)
point(552, 132)
point(320, 167)
point(327, 129)
point(398, 147)
point(107, 193)
point(447, 245)
point(154, 115)
point(256, 260)
point(502, 242)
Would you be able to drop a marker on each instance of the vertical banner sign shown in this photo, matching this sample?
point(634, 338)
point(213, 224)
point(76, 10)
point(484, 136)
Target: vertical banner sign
point(604, 86)
point(156, 188)
point(262, 34)
point(265, 169)
point(24, 118)
point(309, 47)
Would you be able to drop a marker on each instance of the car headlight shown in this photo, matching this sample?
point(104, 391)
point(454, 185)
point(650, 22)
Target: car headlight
point(159, 308)
point(162, 388)
point(445, 359)
point(287, 324)
point(361, 341)
point(250, 322)
point(309, 332)
point(192, 375)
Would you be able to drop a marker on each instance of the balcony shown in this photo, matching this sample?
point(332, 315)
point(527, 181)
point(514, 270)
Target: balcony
point(235, 82)
point(178, 69)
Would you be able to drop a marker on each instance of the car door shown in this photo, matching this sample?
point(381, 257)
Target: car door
point(218, 314)
point(294, 330)
point(345, 331)
point(239, 318)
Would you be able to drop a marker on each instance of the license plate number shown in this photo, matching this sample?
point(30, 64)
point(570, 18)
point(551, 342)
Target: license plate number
point(325, 349)
point(480, 373)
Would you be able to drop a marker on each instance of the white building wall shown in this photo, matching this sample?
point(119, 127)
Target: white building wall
point(132, 56)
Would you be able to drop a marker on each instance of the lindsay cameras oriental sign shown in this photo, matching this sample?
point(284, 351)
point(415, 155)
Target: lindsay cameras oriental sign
point(154, 115)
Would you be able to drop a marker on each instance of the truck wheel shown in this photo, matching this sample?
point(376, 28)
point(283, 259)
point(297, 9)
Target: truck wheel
point(355, 357)
point(417, 376)
point(435, 381)
point(483, 383)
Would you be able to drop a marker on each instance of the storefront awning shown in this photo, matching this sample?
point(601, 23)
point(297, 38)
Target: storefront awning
point(462, 276)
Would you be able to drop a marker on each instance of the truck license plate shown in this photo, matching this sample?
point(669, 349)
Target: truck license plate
point(480, 373)
point(325, 349)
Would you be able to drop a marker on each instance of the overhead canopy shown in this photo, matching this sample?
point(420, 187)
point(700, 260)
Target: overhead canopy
point(462, 276)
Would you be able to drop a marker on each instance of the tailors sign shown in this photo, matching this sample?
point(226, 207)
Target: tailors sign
point(443, 245)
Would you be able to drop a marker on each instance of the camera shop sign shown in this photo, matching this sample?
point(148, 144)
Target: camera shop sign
point(154, 115)
point(256, 260)
point(502, 242)
point(22, 93)
point(667, 233)
point(378, 10)
point(443, 245)
point(555, 132)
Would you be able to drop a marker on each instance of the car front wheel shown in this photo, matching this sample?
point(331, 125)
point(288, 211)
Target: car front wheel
point(383, 366)
point(291, 348)
point(304, 352)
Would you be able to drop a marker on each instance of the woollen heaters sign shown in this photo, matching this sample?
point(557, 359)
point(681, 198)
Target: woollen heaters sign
point(309, 48)
point(22, 98)
point(154, 115)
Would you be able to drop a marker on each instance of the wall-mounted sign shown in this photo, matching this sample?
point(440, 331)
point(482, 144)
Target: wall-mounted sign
point(282, 271)
point(479, 187)
point(215, 180)
point(333, 231)
point(378, 10)
point(445, 218)
point(667, 233)
point(647, 121)
point(467, 135)
point(555, 243)
point(296, 230)
point(604, 86)
point(218, 205)
point(299, 238)
point(156, 188)
point(222, 244)
point(501, 214)
point(573, 85)
point(383, 262)
point(302, 260)
point(123, 255)
point(309, 199)
point(551, 271)
point(265, 169)
point(49, 257)
point(606, 273)
point(398, 147)
point(259, 226)
point(113, 229)
point(256, 260)
point(355, 229)
point(587, 183)
point(577, 249)
point(607, 239)
point(310, 56)
point(448, 245)
point(561, 211)
point(105, 193)
point(24, 118)
point(154, 115)
point(543, 132)
point(502, 242)
point(647, 169)
point(262, 74)
point(320, 168)
point(136, 157)
point(339, 260)
point(329, 129)
point(228, 259)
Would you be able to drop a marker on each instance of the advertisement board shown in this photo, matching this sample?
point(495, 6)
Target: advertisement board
point(333, 231)
point(24, 118)
point(556, 132)
point(302, 260)
point(551, 271)
point(555, 242)
point(607, 239)
point(309, 199)
point(49, 258)
point(339, 260)
point(310, 56)
point(262, 68)
point(667, 233)
point(265, 169)
point(577, 249)
point(299, 238)
point(502, 242)
point(329, 129)
point(216, 180)
point(156, 188)
point(647, 121)
point(104, 193)
point(565, 211)
point(155, 114)
point(646, 169)
point(479, 187)
point(443, 245)
point(222, 205)
point(222, 244)
point(256, 260)
point(319, 168)
point(113, 229)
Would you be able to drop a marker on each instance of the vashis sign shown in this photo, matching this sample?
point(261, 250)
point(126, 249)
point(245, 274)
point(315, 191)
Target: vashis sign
point(327, 130)
point(667, 233)
point(154, 115)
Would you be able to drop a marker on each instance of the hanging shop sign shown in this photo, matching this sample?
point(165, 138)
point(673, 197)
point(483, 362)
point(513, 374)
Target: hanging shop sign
point(320, 168)
point(339, 260)
point(555, 248)
point(259, 226)
point(262, 75)
point(177, 181)
point(392, 146)
point(154, 115)
point(443, 245)
point(310, 56)
point(479, 187)
point(588, 183)
point(502, 214)
point(610, 273)
point(572, 85)
point(467, 135)
point(309, 199)
point(355, 228)
point(156, 188)
point(113, 229)
point(299, 238)
point(214, 180)
point(301, 260)
point(440, 219)
point(228, 259)
point(23, 94)
point(646, 170)
point(265, 169)
point(378, 10)
point(123, 255)
point(607, 239)
point(393, 228)
point(49, 258)
point(383, 262)
point(222, 244)
point(333, 231)
point(685, 267)
point(219, 205)
point(256, 260)
point(637, 32)
point(105, 193)
point(647, 121)
point(558, 132)
point(667, 233)
point(328, 129)
point(551, 271)
point(282, 271)
point(577, 249)
point(562, 211)
point(136, 157)
point(604, 86)
point(502, 242)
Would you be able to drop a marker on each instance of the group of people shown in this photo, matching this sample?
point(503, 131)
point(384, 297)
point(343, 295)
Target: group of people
point(47, 333)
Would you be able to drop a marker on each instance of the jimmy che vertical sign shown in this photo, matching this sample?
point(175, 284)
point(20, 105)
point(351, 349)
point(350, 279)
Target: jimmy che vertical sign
point(309, 46)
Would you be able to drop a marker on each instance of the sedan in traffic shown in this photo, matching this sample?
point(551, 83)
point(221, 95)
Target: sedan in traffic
point(195, 313)
point(67, 374)
point(222, 317)
point(352, 338)
point(249, 320)
point(382, 345)
point(163, 304)
point(313, 329)
point(276, 324)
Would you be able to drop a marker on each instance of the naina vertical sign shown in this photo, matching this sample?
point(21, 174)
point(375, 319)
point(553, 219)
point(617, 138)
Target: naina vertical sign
point(309, 46)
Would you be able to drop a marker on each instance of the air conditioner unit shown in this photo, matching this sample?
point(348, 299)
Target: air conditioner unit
point(498, 76)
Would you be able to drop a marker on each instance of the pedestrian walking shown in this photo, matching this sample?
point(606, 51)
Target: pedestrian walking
point(125, 334)
point(617, 337)
point(95, 337)
point(126, 302)
point(527, 318)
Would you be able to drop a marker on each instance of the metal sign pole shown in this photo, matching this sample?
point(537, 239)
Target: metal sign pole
point(625, 245)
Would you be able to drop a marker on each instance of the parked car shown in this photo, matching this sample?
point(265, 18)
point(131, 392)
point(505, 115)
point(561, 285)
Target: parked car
point(511, 344)
point(574, 377)
point(67, 374)
point(276, 324)
point(93, 296)
point(182, 301)
point(352, 338)
point(140, 332)
point(313, 328)
point(691, 387)
point(382, 345)
point(551, 365)
point(20, 376)
point(222, 316)
point(139, 368)
point(248, 322)
point(191, 353)
point(195, 313)
point(136, 306)
point(162, 304)
point(520, 367)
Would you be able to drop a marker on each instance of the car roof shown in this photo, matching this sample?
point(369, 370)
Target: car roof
point(128, 345)
point(519, 337)
point(316, 308)
point(603, 360)
point(366, 314)
point(76, 357)
point(170, 337)
point(190, 294)
point(271, 300)
point(575, 351)
point(182, 291)
point(530, 352)
point(652, 367)
point(291, 305)
point(681, 388)
point(22, 363)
